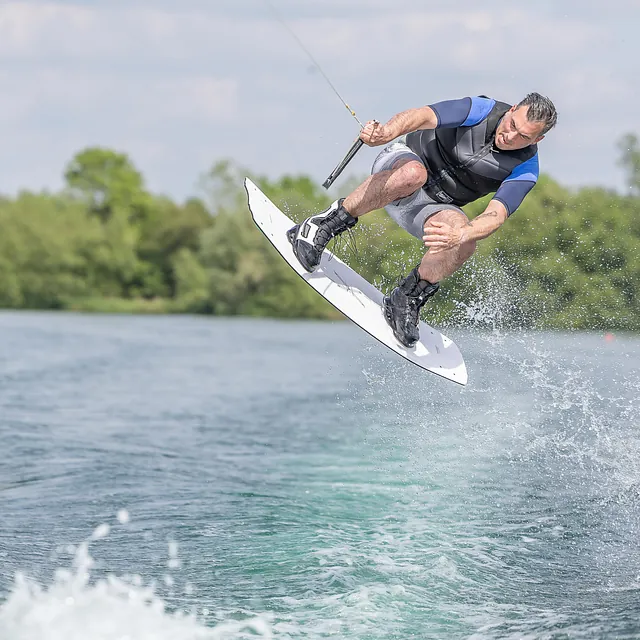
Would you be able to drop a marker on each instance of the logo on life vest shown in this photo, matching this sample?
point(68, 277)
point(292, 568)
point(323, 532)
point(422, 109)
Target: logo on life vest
point(443, 197)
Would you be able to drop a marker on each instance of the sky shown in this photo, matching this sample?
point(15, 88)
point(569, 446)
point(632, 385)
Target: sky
point(179, 85)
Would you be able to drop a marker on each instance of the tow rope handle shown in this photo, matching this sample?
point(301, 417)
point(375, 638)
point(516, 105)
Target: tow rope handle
point(345, 161)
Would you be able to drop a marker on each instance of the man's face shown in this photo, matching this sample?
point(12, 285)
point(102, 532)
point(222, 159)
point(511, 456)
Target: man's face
point(516, 132)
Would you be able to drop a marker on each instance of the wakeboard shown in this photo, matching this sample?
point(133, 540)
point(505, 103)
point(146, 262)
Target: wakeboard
point(353, 296)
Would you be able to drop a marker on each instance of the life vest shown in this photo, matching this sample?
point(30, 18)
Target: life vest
point(463, 164)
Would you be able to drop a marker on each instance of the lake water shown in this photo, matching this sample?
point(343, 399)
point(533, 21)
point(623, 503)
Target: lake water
point(185, 477)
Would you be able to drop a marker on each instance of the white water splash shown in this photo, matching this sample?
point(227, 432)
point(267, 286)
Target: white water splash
point(492, 298)
point(75, 607)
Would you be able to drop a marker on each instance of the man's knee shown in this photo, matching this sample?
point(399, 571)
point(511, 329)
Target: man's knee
point(412, 173)
point(458, 220)
point(451, 217)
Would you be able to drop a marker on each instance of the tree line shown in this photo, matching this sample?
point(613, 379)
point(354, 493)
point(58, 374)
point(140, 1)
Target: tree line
point(567, 259)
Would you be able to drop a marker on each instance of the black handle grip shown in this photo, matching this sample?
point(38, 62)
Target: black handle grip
point(345, 161)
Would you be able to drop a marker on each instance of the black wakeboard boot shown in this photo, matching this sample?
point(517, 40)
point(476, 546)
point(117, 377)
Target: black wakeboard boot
point(402, 307)
point(310, 237)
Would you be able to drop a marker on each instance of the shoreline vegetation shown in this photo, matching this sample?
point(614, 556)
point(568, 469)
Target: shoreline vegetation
point(567, 259)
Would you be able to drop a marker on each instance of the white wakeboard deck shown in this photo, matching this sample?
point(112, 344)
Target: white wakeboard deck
point(356, 298)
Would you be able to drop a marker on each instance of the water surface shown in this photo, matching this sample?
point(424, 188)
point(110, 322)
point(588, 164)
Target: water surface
point(255, 484)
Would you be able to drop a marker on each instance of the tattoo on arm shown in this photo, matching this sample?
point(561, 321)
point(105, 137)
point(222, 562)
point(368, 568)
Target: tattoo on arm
point(489, 214)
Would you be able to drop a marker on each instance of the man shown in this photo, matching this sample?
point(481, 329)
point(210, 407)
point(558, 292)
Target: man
point(445, 155)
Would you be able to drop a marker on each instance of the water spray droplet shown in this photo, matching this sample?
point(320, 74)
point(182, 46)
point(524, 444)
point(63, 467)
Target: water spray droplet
point(101, 532)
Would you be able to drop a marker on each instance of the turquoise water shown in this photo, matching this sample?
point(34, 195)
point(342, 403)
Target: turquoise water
point(181, 478)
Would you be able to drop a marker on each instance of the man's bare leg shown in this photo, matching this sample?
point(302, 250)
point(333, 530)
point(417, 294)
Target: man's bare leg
point(440, 263)
point(378, 190)
point(310, 237)
point(402, 306)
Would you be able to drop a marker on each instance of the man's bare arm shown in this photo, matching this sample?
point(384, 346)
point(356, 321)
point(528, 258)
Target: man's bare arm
point(490, 220)
point(375, 133)
point(412, 120)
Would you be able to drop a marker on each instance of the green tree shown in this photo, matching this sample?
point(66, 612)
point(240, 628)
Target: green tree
point(566, 259)
point(107, 180)
point(245, 273)
point(169, 229)
point(42, 264)
point(191, 283)
point(133, 257)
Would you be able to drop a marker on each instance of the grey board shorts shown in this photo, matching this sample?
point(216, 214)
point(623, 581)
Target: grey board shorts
point(412, 211)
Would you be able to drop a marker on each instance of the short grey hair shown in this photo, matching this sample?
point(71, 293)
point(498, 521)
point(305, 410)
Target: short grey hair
point(541, 109)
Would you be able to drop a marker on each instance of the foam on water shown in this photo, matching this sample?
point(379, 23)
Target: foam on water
point(552, 481)
point(76, 606)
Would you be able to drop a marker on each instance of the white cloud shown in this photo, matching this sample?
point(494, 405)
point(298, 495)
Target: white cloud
point(152, 35)
point(57, 91)
point(200, 79)
point(473, 40)
point(28, 29)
